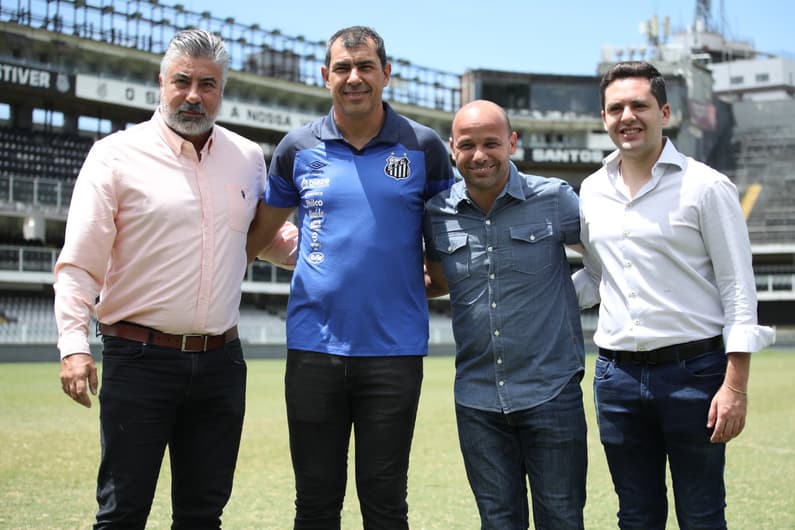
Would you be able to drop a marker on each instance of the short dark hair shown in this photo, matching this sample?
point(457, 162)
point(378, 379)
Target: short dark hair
point(354, 36)
point(643, 69)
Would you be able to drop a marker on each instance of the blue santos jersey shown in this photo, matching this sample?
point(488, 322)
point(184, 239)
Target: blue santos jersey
point(358, 286)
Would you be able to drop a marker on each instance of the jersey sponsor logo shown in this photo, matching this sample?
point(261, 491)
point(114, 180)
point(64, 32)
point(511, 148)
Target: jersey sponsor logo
point(316, 257)
point(319, 182)
point(398, 167)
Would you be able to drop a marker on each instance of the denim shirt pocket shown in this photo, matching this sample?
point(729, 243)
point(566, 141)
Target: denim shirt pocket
point(455, 252)
point(531, 247)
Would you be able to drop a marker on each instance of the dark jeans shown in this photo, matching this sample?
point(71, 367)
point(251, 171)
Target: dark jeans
point(546, 444)
point(648, 414)
point(326, 396)
point(152, 397)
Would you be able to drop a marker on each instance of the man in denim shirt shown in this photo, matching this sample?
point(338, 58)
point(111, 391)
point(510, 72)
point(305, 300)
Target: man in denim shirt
point(496, 241)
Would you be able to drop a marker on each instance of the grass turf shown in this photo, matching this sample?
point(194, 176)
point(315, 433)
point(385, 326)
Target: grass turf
point(49, 451)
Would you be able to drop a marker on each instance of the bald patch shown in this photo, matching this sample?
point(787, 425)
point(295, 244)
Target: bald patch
point(479, 113)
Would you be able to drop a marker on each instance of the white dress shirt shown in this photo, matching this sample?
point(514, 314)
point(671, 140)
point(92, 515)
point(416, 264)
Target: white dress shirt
point(670, 265)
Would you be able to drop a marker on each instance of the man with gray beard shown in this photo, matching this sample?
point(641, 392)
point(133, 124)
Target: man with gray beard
point(157, 233)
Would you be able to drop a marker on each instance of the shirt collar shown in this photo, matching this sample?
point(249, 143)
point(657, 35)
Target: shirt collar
point(390, 132)
point(669, 156)
point(513, 188)
point(174, 141)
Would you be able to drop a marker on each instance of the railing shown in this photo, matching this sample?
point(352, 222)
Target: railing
point(27, 263)
point(43, 194)
point(26, 259)
point(775, 283)
point(148, 25)
point(15, 258)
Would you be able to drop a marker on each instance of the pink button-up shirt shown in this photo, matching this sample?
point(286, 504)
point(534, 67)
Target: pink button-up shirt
point(159, 233)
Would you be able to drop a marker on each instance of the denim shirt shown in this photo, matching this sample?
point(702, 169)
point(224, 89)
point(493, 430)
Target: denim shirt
point(516, 321)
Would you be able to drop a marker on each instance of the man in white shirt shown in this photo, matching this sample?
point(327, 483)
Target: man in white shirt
point(667, 254)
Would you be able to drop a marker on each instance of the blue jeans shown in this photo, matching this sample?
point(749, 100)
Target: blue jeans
point(547, 444)
point(155, 397)
point(326, 396)
point(648, 414)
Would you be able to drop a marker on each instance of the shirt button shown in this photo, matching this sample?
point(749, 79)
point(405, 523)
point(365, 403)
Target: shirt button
point(502, 383)
point(450, 248)
point(499, 361)
point(489, 249)
point(627, 264)
point(488, 221)
point(626, 233)
point(491, 276)
point(642, 348)
point(497, 333)
point(633, 294)
point(636, 322)
point(493, 305)
point(532, 237)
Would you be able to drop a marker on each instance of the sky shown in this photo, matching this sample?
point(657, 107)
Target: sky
point(555, 37)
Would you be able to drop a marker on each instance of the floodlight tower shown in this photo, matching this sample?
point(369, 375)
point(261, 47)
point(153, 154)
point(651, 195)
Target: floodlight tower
point(704, 14)
point(704, 17)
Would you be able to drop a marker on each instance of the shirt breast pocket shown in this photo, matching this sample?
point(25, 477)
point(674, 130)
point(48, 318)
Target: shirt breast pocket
point(240, 204)
point(531, 247)
point(455, 253)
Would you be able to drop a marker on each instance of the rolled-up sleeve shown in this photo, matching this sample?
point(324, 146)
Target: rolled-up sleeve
point(726, 240)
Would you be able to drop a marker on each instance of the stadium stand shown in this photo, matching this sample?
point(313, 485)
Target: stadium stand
point(38, 168)
point(72, 71)
point(28, 153)
point(763, 145)
point(29, 320)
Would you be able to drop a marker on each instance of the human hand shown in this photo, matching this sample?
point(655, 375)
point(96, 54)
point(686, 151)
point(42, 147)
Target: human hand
point(727, 413)
point(289, 235)
point(76, 369)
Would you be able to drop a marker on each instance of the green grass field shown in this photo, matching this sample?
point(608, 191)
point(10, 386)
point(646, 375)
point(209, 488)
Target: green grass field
point(49, 450)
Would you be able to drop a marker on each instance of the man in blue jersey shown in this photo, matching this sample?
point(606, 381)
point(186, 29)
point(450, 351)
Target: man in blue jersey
point(357, 319)
point(496, 240)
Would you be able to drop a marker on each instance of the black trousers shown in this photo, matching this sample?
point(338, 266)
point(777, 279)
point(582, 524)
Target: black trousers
point(155, 397)
point(327, 395)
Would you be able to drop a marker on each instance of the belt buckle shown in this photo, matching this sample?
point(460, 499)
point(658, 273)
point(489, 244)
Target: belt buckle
point(185, 341)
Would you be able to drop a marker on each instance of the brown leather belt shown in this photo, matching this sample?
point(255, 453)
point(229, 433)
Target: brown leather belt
point(188, 343)
point(668, 354)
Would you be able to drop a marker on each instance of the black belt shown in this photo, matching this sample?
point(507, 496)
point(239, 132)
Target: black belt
point(187, 343)
point(668, 354)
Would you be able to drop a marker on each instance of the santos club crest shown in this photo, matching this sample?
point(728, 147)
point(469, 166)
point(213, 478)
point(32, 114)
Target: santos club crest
point(398, 167)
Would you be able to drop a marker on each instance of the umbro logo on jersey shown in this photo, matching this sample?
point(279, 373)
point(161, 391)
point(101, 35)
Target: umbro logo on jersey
point(317, 165)
point(398, 167)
